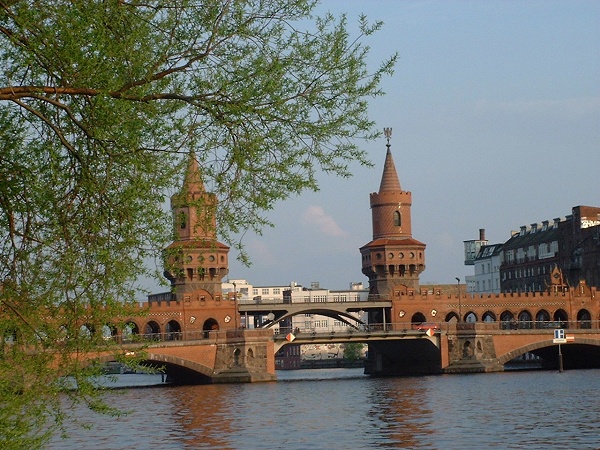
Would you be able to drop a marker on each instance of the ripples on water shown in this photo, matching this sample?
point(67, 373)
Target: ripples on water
point(343, 409)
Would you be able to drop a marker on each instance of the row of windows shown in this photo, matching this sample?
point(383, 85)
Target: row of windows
point(532, 252)
point(266, 291)
point(486, 285)
point(525, 272)
point(481, 268)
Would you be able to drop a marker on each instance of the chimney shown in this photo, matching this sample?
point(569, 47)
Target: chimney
point(482, 234)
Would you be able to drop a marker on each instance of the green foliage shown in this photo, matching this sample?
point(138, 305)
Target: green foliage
point(99, 103)
point(353, 351)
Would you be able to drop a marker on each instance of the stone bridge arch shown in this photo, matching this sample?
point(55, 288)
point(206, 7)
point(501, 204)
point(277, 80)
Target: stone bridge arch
point(515, 353)
point(178, 369)
point(581, 342)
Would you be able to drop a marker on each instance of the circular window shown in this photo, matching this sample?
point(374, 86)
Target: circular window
point(391, 255)
point(378, 255)
point(412, 255)
point(211, 258)
point(401, 255)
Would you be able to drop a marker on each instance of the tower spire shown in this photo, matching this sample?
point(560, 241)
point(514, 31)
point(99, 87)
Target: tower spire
point(192, 181)
point(389, 180)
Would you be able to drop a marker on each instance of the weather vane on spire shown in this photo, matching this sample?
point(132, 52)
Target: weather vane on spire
point(388, 134)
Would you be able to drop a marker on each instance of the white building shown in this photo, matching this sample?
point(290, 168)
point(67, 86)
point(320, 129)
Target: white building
point(319, 323)
point(295, 293)
point(486, 279)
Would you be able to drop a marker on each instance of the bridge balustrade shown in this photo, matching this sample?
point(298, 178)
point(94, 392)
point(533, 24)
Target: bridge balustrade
point(332, 298)
point(443, 326)
point(402, 327)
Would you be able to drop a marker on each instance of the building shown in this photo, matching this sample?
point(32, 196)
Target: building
point(317, 323)
point(529, 257)
point(195, 264)
point(473, 246)
point(486, 265)
point(541, 256)
point(393, 260)
point(579, 246)
point(571, 245)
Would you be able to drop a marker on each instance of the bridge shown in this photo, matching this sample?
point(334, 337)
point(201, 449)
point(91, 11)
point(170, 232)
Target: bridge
point(395, 348)
point(196, 328)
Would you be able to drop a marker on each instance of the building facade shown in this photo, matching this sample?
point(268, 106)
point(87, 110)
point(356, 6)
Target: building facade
point(570, 244)
point(486, 266)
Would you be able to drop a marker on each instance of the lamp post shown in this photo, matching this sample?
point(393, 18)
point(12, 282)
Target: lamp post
point(235, 314)
point(459, 303)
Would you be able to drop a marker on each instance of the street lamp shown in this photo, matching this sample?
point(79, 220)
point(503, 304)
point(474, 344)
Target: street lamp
point(235, 314)
point(459, 303)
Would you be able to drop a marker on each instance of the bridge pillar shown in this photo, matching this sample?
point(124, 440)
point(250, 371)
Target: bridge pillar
point(244, 356)
point(403, 357)
point(469, 349)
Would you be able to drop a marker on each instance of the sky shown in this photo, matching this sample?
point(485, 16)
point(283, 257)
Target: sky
point(495, 111)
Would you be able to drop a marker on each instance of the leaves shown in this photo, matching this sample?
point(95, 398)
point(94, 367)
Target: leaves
point(100, 101)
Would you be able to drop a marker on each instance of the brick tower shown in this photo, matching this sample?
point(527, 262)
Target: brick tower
point(196, 262)
point(393, 260)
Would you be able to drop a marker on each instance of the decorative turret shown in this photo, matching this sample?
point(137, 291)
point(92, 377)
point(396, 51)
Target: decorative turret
point(196, 262)
point(393, 260)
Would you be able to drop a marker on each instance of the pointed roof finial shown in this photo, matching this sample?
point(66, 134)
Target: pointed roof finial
point(388, 135)
point(389, 179)
point(192, 182)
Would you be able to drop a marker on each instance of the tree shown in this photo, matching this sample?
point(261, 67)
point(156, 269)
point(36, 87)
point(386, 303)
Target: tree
point(99, 103)
point(353, 351)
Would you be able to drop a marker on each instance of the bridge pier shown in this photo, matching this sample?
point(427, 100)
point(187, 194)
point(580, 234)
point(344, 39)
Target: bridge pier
point(469, 349)
point(227, 356)
point(244, 356)
point(403, 357)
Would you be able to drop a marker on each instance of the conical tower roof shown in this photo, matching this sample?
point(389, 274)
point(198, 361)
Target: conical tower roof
point(192, 182)
point(389, 180)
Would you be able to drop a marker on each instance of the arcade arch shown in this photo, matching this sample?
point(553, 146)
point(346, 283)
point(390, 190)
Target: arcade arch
point(471, 317)
point(584, 319)
point(488, 316)
point(209, 325)
point(130, 330)
point(418, 318)
point(173, 330)
point(152, 330)
point(560, 315)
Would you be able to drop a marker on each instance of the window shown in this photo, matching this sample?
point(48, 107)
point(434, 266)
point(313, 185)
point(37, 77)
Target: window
point(397, 219)
point(182, 220)
point(276, 291)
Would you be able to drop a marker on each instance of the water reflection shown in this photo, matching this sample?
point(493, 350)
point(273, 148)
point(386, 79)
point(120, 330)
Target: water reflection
point(347, 410)
point(400, 411)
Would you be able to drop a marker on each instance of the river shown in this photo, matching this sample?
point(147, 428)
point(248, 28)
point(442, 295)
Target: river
point(343, 409)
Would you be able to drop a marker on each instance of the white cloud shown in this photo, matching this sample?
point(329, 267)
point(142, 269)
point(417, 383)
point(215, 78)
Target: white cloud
point(316, 216)
point(259, 251)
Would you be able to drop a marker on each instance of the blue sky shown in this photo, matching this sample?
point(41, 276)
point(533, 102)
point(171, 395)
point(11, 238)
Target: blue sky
point(495, 110)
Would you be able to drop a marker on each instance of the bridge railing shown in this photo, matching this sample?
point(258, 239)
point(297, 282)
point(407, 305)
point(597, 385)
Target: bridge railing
point(330, 298)
point(437, 327)
point(401, 327)
point(188, 335)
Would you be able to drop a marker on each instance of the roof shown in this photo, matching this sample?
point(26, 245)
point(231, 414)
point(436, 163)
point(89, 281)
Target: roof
point(530, 237)
point(407, 242)
point(389, 179)
point(198, 243)
point(488, 251)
